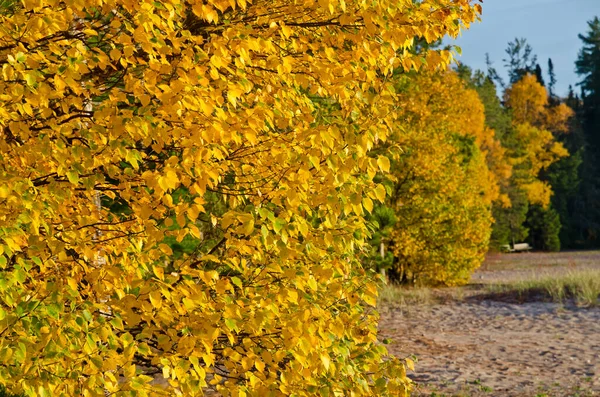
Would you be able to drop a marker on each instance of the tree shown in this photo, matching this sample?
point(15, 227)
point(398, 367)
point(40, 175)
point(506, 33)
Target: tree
point(588, 61)
point(539, 75)
point(380, 258)
point(565, 175)
point(492, 73)
point(526, 125)
point(240, 130)
point(587, 67)
point(520, 60)
point(544, 225)
point(443, 182)
point(510, 210)
point(528, 102)
point(565, 178)
point(537, 130)
point(551, 79)
point(537, 124)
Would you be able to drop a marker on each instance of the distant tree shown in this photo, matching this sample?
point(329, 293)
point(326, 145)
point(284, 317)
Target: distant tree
point(587, 67)
point(492, 73)
point(554, 198)
point(381, 221)
point(565, 178)
point(551, 78)
point(520, 59)
point(511, 210)
point(539, 74)
point(538, 125)
point(544, 226)
point(565, 175)
point(444, 181)
point(588, 61)
point(573, 100)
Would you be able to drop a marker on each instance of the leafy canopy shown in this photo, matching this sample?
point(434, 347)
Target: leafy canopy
point(182, 189)
point(444, 180)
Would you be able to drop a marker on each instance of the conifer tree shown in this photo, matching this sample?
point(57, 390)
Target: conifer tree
point(520, 59)
point(551, 78)
point(588, 68)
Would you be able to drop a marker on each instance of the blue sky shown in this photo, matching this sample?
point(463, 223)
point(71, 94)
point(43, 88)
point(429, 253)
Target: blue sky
point(550, 27)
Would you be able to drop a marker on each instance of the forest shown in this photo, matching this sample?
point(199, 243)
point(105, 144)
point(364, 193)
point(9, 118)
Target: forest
point(201, 197)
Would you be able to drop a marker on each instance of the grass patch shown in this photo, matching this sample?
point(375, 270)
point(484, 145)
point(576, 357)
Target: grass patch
point(406, 296)
point(401, 295)
point(582, 286)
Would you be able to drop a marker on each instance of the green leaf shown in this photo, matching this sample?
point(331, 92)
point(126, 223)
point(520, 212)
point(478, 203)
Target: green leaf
point(53, 311)
point(236, 281)
point(231, 324)
point(31, 79)
point(278, 225)
point(73, 177)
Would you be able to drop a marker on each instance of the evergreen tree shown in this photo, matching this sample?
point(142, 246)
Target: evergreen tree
point(588, 61)
point(588, 68)
point(564, 177)
point(492, 73)
point(520, 60)
point(544, 226)
point(551, 78)
point(539, 74)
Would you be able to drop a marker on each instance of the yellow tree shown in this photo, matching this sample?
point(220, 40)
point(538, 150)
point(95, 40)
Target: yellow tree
point(445, 180)
point(238, 130)
point(535, 121)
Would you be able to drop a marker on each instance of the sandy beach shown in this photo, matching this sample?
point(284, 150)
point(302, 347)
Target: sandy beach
point(487, 346)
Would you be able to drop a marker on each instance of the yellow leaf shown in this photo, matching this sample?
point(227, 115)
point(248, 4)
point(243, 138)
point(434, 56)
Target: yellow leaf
point(155, 298)
point(325, 360)
point(384, 163)
point(159, 272)
point(260, 366)
point(380, 193)
point(144, 99)
point(115, 54)
point(165, 249)
point(368, 204)
point(410, 364)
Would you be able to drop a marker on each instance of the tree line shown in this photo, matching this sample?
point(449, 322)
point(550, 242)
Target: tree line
point(485, 163)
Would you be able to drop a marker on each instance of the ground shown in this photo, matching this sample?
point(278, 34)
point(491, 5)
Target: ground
point(472, 341)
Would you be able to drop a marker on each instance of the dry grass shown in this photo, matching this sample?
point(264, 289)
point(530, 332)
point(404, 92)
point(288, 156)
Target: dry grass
point(581, 286)
point(405, 296)
point(397, 295)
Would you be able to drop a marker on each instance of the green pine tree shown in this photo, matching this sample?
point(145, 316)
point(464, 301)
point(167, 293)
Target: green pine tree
point(588, 68)
point(544, 227)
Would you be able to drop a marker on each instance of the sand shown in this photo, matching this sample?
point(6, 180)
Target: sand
point(486, 347)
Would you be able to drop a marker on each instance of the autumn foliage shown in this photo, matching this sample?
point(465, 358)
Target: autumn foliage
point(443, 181)
point(534, 122)
point(451, 172)
point(183, 188)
